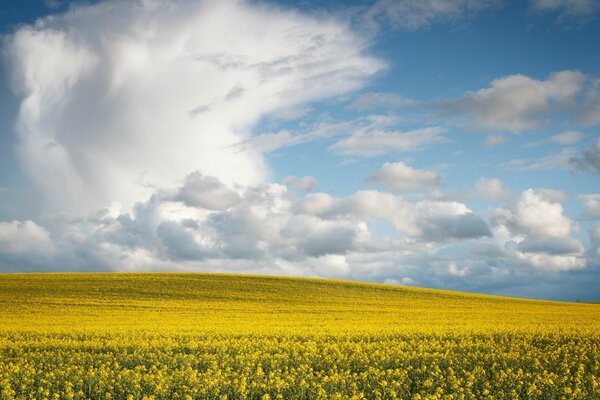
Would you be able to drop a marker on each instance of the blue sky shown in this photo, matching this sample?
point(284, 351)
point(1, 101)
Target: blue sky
point(449, 143)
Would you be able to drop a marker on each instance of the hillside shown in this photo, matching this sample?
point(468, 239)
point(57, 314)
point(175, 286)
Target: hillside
point(208, 336)
point(204, 303)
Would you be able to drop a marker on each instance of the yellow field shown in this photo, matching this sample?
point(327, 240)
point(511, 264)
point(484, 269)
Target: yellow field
point(209, 336)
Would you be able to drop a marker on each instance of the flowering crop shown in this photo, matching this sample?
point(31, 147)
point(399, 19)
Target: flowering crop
point(201, 336)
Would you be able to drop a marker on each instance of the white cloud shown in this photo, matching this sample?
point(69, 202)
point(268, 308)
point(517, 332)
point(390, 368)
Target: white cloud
point(425, 220)
point(537, 215)
point(331, 265)
point(491, 189)
point(162, 88)
point(23, 237)
point(401, 177)
point(377, 142)
point(412, 15)
point(516, 103)
point(591, 204)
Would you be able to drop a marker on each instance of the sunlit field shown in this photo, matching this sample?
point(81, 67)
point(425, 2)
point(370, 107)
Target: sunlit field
point(209, 336)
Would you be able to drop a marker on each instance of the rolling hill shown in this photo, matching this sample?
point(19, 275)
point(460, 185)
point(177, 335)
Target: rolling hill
point(210, 336)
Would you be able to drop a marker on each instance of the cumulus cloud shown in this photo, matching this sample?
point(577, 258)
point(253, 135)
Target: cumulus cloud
point(424, 220)
point(411, 15)
point(516, 103)
point(23, 236)
point(401, 177)
point(206, 192)
point(377, 143)
point(119, 89)
point(537, 215)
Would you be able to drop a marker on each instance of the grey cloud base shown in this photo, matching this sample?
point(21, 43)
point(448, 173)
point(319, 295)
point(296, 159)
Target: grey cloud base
point(269, 229)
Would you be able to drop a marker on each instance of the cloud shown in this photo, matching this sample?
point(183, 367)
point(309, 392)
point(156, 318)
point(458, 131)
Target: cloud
point(401, 177)
point(109, 92)
point(206, 192)
point(564, 139)
point(591, 205)
point(269, 142)
point(564, 159)
point(411, 15)
point(441, 221)
point(491, 189)
point(594, 232)
point(582, 10)
point(494, 139)
point(272, 231)
point(377, 143)
point(589, 161)
point(537, 215)
point(590, 112)
point(425, 220)
point(23, 237)
point(516, 103)
point(552, 246)
point(305, 183)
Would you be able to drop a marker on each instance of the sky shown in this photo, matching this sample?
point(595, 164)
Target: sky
point(449, 144)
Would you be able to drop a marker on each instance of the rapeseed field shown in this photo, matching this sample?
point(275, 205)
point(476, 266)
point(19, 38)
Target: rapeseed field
point(211, 336)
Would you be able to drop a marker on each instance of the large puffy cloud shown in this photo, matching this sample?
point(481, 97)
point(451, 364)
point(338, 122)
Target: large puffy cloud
point(399, 176)
point(536, 214)
point(124, 95)
point(424, 220)
point(516, 103)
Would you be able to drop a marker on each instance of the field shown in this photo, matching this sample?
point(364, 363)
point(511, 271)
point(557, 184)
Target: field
point(210, 336)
